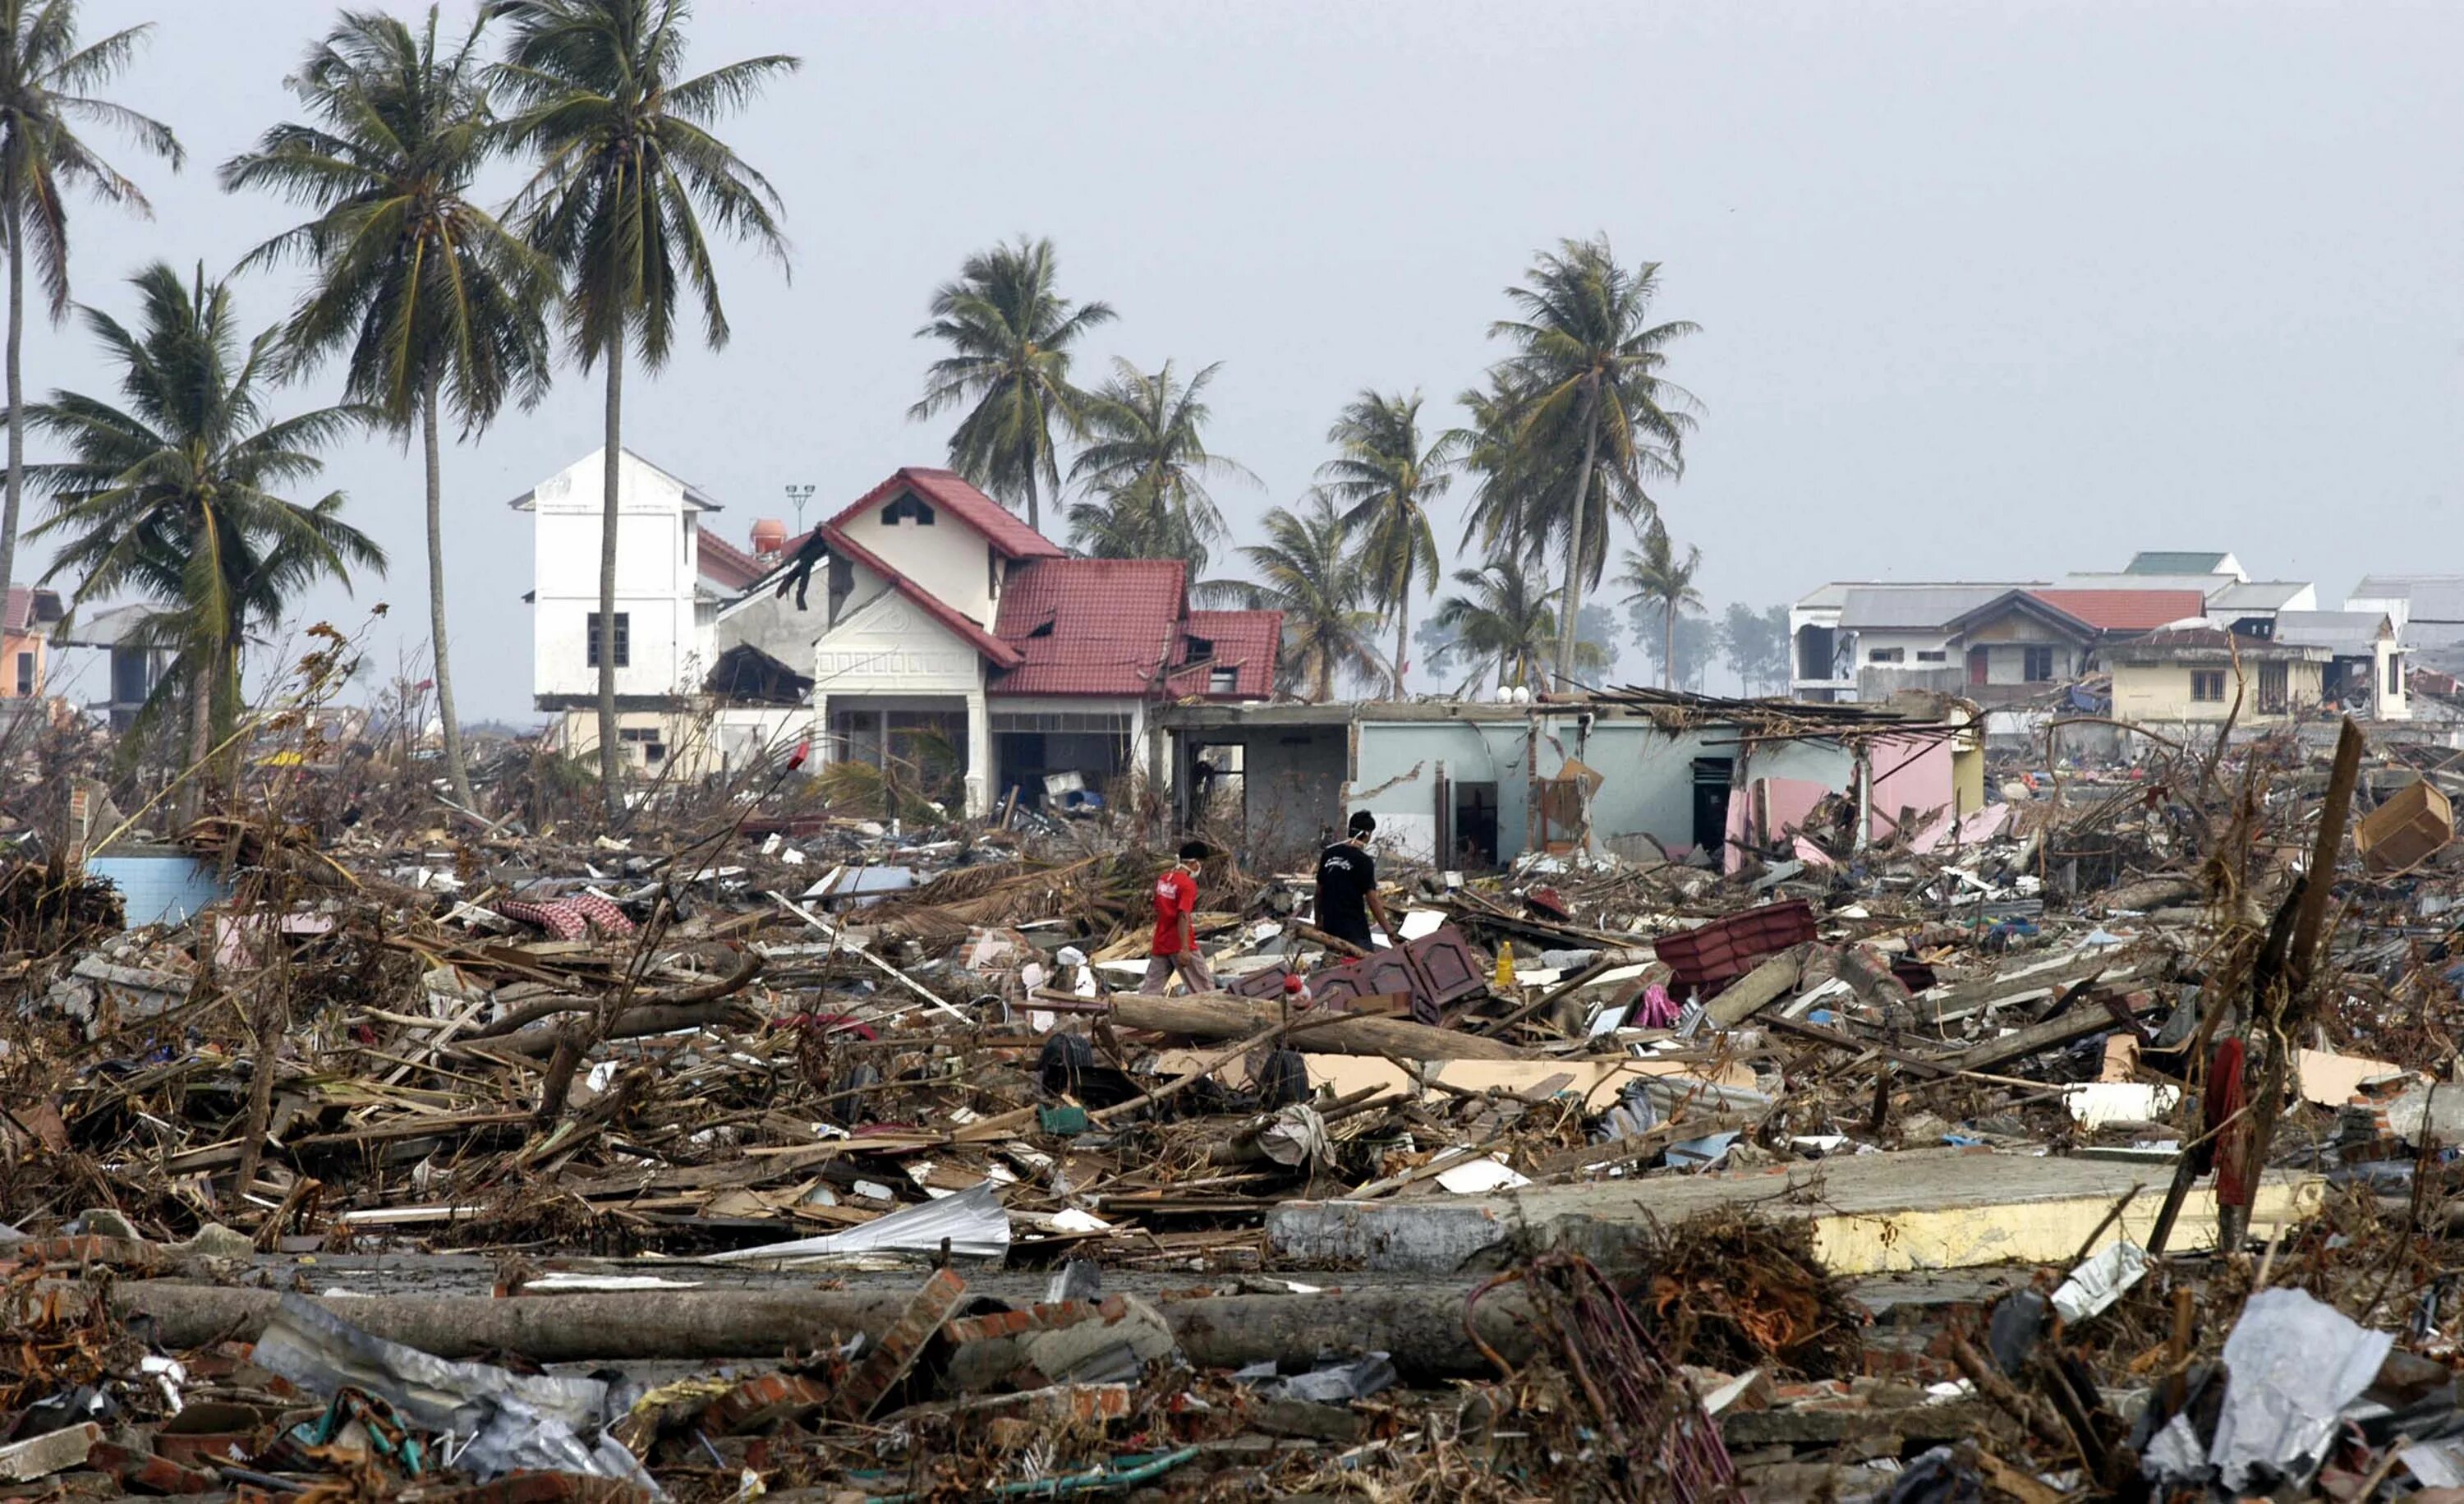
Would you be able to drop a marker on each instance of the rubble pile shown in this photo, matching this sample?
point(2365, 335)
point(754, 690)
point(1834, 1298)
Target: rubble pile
point(2095, 1142)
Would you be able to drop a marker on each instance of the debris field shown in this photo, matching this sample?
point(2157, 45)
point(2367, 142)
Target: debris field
point(356, 1145)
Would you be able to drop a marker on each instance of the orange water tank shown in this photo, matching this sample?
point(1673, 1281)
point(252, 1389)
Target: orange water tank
point(769, 537)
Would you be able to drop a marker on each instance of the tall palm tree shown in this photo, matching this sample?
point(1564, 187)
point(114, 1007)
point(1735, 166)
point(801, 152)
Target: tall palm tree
point(1589, 396)
point(1655, 576)
point(1384, 479)
point(1506, 626)
point(175, 492)
point(1010, 332)
point(47, 83)
point(627, 171)
point(1145, 468)
point(438, 305)
point(1307, 569)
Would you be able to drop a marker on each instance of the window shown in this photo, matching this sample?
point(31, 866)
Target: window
point(646, 738)
point(1885, 655)
point(2040, 665)
point(2273, 695)
point(623, 640)
point(25, 675)
point(908, 508)
point(2207, 686)
point(1942, 656)
point(1224, 681)
point(2395, 674)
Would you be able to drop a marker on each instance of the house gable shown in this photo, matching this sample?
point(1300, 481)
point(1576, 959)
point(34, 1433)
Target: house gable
point(889, 643)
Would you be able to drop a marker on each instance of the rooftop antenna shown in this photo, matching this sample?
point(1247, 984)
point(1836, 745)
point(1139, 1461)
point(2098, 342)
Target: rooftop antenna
point(797, 497)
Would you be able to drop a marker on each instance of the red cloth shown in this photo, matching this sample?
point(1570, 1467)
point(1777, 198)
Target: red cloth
point(2235, 1179)
point(1176, 893)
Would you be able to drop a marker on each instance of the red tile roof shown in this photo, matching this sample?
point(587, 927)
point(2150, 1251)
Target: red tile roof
point(1090, 625)
point(1001, 653)
point(1247, 641)
point(1009, 537)
point(2126, 611)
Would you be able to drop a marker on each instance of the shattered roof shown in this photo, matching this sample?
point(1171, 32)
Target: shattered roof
point(1090, 625)
point(1246, 641)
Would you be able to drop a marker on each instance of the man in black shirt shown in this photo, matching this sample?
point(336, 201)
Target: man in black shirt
point(1346, 885)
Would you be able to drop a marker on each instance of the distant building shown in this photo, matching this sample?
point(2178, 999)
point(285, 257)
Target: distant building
point(127, 665)
point(2192, 676)
point(25, 640)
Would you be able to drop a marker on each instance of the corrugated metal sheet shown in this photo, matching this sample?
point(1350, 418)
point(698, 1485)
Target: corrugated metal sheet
point(2158, 561)
point(1913, 607)
point(2257, 595)
point(2341, 631)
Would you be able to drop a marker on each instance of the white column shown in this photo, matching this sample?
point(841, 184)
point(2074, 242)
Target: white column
point(821, 724)
point(980, 754)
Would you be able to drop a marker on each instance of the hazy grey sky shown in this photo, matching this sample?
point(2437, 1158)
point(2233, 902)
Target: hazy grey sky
point(1987, 290)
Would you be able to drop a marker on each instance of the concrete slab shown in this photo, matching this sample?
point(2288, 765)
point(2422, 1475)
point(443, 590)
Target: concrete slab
point(1871, 1214)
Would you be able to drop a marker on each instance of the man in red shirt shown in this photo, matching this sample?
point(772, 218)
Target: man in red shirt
point(1175, 944)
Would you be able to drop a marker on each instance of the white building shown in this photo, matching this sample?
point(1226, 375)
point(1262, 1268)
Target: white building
point(923, 629)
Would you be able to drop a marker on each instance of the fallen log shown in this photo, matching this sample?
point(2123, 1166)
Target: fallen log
point(1421, 1326)
point(635, 1023)
point(1757, 989)
point(1208, 1016)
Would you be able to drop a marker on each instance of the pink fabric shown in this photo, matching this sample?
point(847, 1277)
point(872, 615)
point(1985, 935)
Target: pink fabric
point(1657, 1009)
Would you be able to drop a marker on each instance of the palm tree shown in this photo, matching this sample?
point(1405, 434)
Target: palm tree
point(1585, 386)
point(1009, 331)
point(1385, 479)
point(437, 303)
point(1506, 626)
point(47, 81)
point(628, 170)
point(1145, 468)
point(173, 492)
point(1307, 569)
point(1658, 579)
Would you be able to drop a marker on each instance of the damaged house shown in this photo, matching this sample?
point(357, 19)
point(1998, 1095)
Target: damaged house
point(1635, 773)
point(922, 627)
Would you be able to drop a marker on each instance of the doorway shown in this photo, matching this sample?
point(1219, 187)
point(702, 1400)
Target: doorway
point(1711, 777)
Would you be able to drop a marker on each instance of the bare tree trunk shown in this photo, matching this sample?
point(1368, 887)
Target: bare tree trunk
point(16, 388)
point(610, 770)
point(1567, 630)
point(455, 768)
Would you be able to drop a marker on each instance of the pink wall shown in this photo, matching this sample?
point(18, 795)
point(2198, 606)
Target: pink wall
point(1909, 772)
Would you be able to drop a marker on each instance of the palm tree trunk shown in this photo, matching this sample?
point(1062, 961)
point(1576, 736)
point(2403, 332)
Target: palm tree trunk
point(610, 769)
point(16, 390)
point(1568, 629)
point(201, 741)
point(454, 767)
point(1402, 634)
point(1667, 645)
point(1034, 513)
